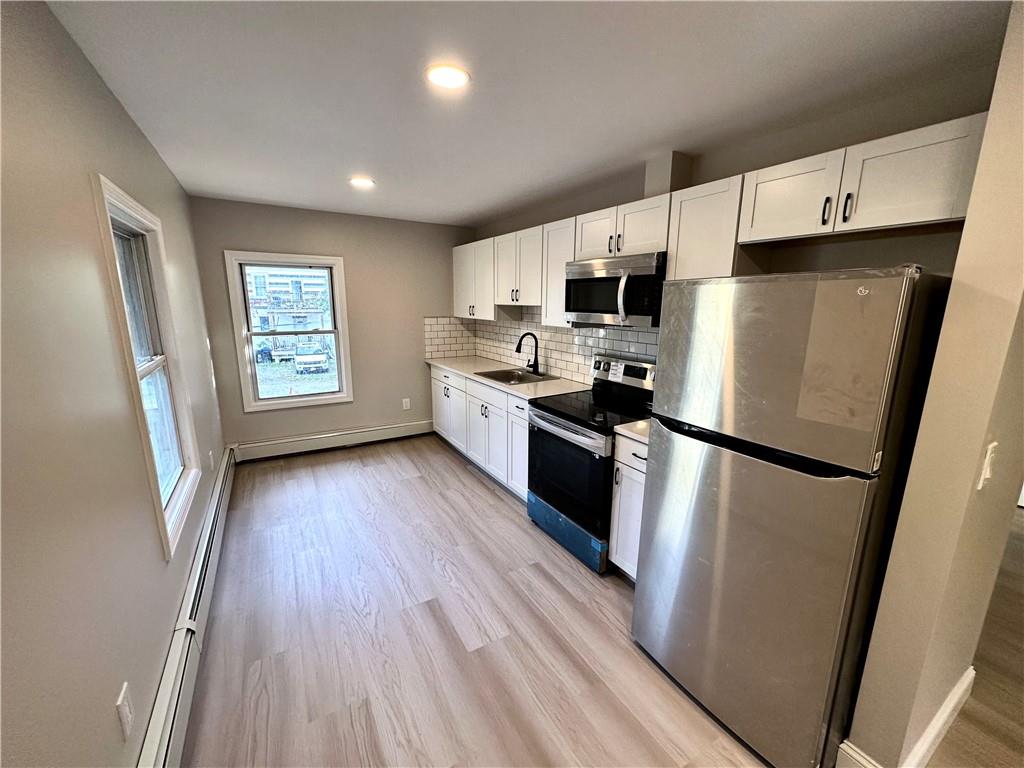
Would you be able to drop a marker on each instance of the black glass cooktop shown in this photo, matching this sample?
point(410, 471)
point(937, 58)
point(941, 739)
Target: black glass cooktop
point(600, 409)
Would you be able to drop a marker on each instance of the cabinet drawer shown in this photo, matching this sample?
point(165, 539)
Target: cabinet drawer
point(451, 379)
point(518, 407)
point(492, 397)
point(632, 453)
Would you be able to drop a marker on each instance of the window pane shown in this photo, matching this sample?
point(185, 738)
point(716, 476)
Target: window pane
point(163, 434)
point(131, 262)
point(288, 298)
point(305, 364)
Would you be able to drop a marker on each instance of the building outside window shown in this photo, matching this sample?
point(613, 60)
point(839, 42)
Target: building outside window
point(291, 329)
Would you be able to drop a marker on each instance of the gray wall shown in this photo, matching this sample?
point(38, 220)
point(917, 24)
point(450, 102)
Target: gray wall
point(396, 273)
point(88, 599)
point(748, 143)
point(950, 537)
point(602, 192)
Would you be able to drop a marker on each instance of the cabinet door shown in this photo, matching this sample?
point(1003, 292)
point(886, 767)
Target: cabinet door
point(483, 293)
point(792, 199)
point(506, 276)
point(439, 403)
point(518, 454)
point(530, 258)
point(702, 230)
point(497, 442)
point(476, 431)
point(627, 511)
point(559, 243)
point(912, 177)
point(642, 227)
point(456, 423)
point(463, 279)
point(595, 234)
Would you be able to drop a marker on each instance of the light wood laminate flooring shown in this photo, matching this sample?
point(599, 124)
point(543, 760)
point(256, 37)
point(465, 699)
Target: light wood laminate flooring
point(989, 729)
point(391, 605)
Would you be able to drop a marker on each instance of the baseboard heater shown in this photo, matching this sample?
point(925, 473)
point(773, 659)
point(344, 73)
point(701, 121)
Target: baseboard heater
point(165, 736)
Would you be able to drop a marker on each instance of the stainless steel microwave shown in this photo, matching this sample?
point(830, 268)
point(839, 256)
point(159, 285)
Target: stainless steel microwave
point(619, 290)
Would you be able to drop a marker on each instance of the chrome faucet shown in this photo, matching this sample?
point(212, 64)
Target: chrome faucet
point(533, 365)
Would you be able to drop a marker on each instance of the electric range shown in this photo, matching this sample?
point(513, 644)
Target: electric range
point(572, 460)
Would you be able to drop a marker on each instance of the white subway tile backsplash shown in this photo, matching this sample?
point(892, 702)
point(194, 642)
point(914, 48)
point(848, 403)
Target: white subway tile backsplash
point(565, 352)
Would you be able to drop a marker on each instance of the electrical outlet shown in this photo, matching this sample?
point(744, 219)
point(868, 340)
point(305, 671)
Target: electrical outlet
point(406, 404)
point(125, 711)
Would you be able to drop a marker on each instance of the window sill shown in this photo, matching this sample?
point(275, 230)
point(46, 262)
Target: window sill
point(178, 506)
point(298, 401)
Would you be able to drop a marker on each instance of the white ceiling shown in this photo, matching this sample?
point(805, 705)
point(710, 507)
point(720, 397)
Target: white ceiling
point(282, 102)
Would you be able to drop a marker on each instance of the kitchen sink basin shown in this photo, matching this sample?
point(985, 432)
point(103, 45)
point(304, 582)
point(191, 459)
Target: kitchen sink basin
point(515, 376)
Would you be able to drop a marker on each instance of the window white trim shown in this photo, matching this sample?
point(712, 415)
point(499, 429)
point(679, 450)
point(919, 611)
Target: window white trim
point(112, 202)
point(233, 261)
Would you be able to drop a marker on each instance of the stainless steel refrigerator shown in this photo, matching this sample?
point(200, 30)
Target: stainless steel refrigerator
point(785, 408)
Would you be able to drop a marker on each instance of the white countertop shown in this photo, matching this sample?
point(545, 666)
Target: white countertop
point(635, 430)
point(471, 366)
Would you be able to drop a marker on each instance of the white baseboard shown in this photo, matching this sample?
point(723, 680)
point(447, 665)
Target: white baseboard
point(922, 751)
point(284, 446)
point(851, 756)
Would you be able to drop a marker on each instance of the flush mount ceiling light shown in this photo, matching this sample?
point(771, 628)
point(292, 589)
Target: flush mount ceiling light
point(362, 182)
point(447, 76)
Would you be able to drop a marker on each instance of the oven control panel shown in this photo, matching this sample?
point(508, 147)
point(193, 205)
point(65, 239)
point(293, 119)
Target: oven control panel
point(635, 373)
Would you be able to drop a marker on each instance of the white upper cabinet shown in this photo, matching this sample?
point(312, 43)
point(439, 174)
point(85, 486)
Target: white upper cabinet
point(483, 265)
point(506, 272)
point(463, 280)
point(595, 234)
point(642, 227)
point(702, 230)
point(529, 255)
point(913, 177)
point(559, 242)
point(791, 200)
point(638, 227)
point(517, 261)
point(473, 280)
point(910, 178)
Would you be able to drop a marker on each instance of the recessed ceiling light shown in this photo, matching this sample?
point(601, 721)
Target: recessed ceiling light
point(362, 182)
point(447, 76)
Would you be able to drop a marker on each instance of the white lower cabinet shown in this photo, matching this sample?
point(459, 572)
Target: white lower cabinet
point(484, 423)
point(627, 512)
point(518, 454)
point(449, 406)
point(476, 431)
point(457, 418)
point(497, 442)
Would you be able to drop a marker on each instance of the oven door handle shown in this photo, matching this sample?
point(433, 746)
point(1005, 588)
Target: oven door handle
point(597, 444)
point(622, 295)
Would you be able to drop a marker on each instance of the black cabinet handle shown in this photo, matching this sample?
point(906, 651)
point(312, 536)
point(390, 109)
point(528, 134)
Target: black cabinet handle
point(826, 210)
point(617, 473)
point(642, 458)
point(610, 238)
point(517, 294)
point(487, 412)
point(618, 242)
point(846, 206)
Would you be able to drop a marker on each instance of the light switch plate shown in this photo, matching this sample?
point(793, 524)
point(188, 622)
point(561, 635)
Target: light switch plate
point(125, 711)
point(406, 404)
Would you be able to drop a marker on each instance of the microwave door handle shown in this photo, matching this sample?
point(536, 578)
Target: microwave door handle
point(622, 295)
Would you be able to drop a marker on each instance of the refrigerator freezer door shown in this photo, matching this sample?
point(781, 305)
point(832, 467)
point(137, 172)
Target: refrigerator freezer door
point(744, 587)
point(802, 363)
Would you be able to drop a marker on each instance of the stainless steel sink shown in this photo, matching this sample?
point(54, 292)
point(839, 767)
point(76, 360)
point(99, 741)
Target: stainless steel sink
point(515, 376)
